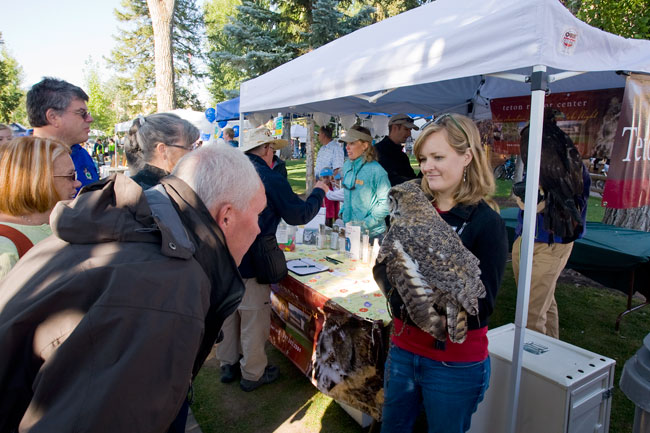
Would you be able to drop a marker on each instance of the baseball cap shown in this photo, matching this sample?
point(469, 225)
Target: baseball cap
point(403, 119)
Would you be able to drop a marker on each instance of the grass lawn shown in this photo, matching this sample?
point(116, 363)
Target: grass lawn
point(292, 404)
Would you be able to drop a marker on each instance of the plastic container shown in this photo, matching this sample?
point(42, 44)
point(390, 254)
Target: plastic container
point(635, 384)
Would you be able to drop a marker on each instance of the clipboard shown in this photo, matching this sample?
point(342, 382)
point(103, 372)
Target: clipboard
point(305, 267)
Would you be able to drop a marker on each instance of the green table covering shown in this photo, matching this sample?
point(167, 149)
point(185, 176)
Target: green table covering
point(607, 254)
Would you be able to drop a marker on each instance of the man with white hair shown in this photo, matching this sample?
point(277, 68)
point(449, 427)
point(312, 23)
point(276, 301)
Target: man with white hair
point(103, 329)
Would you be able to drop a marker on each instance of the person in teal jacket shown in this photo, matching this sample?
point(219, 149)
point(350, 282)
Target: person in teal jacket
point(365, 183)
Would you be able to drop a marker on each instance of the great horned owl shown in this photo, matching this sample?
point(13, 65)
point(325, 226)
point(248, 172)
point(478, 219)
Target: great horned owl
point(436, 276)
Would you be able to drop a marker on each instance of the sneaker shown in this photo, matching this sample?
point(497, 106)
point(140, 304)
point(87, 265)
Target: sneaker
point(230, 373)
point(271, 373)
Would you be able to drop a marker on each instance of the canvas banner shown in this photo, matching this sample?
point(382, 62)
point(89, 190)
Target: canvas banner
point(628, 179)
point(590, 119)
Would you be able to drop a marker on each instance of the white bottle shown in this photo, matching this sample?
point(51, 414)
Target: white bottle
point(375, 252)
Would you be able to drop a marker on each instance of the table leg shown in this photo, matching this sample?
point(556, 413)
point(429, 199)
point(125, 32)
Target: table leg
point(630, 294)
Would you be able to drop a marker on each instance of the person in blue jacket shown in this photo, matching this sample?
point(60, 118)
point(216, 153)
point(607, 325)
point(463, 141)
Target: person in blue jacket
point(241, 352)
point(365, 183)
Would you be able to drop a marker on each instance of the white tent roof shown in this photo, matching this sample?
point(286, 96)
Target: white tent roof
point(436, 57)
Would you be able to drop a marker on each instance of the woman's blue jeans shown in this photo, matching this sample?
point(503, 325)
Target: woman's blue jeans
point(449, 391)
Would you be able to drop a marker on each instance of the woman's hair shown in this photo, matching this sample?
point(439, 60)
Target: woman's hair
point(146, 132)
point(370, 154)
point(27, 176)
point(479, 181)
point(3, 127)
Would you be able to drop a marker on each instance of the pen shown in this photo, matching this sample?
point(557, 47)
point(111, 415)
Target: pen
point(303, 266)
point(331, 260)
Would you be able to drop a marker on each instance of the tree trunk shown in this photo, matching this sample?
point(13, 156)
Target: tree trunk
point(161, 12)
point(635, 218)
point(310, 156)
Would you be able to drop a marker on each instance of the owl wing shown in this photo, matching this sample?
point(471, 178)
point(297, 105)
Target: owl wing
point(404, 275)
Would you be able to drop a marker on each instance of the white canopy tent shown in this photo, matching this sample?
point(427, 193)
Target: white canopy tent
point(455, 56)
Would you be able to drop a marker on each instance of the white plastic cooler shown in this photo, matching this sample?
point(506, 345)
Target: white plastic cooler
point(563, 388)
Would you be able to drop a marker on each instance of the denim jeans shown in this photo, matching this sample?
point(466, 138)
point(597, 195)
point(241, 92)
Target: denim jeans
point(449, 391)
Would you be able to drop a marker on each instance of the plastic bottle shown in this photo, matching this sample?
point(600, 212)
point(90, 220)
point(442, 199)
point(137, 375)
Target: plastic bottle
point(375, 252)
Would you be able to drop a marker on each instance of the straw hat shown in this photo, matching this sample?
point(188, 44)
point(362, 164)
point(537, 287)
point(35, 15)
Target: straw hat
point(259, 136)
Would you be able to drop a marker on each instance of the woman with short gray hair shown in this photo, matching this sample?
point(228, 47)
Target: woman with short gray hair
point(155, 143)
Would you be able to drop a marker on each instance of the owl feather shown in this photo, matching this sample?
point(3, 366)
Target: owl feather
point(426, 262)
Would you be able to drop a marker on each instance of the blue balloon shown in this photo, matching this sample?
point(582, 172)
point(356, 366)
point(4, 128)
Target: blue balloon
point(210, 114)
point(236, 130)
point(222, 123)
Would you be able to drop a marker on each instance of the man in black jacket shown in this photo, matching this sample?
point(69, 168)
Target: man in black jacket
point(389, 150)
point(248, 328)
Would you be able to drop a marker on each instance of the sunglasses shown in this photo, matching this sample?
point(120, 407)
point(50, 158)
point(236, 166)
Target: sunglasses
point(442, 117)
point(85, 114)
point(70, 177)
point(192, 147)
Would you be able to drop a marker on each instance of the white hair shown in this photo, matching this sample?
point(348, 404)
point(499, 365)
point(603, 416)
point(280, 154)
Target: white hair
point(219, 175)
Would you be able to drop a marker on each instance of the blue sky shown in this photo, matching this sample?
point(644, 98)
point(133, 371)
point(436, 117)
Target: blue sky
point(57, 38)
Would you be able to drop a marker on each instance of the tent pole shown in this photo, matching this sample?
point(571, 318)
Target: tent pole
point(538, 94)
point(241, 129)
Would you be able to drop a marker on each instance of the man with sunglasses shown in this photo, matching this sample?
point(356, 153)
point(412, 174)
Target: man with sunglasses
point(389, 150)
point(58, 110)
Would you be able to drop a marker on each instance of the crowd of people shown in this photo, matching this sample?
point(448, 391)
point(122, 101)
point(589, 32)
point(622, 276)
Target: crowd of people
point(113, 292)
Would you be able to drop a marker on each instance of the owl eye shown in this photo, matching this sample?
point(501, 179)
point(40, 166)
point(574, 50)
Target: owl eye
point(392, 205)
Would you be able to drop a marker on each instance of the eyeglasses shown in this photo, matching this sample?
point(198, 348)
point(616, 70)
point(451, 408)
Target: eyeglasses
point(85, 114)
point(192, 147)
point(70, 177)
point(449, 116)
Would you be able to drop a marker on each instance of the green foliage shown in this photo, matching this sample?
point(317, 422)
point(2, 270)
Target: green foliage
point(260, 40)
point(133, 57)
point(225, 78)
point(628, 18)
point(250, 38)
point(330, 23)
point(11, 95)
point(101, 101)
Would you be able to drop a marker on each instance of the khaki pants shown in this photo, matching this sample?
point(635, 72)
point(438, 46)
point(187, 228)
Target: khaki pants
point(246, 330)
point(548, 262)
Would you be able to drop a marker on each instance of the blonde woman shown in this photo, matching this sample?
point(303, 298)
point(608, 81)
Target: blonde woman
point(365, 183)
point(35, 173)
point(447, 378)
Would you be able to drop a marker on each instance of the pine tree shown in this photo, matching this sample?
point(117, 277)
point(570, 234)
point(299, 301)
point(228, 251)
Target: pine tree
point(225, 78)
point(133, 57)
point(260, 41)
point(263, 34)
